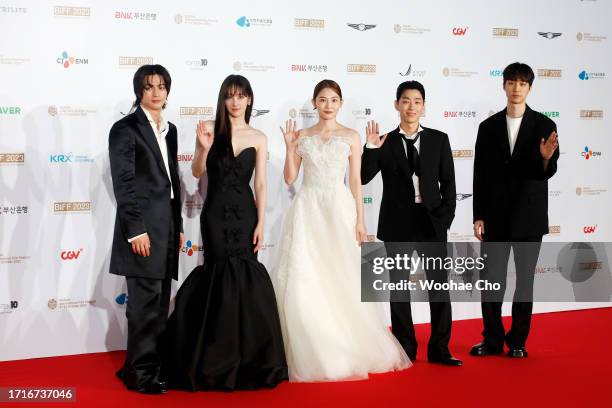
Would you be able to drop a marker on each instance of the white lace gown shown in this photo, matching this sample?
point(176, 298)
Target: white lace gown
point(329, 333)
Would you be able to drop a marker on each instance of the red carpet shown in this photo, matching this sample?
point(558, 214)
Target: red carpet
point(569, 365)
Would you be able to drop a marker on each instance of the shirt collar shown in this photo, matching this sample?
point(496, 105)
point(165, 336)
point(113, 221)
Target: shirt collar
point(164, 122)
point(412, 136)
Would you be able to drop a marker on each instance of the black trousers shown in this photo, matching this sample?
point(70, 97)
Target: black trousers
point(147, 314)
point(526, 251)
point(424, 240)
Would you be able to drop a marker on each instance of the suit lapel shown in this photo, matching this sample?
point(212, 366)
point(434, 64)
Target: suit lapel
point(172, 165)
point(502, 131)
point(148, 135)
point(524, 131)
point(424, 146)
point(397, 148)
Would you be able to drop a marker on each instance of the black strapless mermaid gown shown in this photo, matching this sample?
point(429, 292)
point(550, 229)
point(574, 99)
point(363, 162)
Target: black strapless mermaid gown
point(225, 333)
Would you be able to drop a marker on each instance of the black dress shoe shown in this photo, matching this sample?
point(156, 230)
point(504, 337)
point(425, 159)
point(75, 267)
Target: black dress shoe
point(481, 349)
point(447, 361)
point(155, 387)
point(518, 352)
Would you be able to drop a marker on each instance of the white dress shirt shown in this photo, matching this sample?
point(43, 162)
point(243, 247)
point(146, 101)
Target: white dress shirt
point(514, 125)
point(417, 146)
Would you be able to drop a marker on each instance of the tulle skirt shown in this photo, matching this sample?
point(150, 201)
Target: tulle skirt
point(329, 333)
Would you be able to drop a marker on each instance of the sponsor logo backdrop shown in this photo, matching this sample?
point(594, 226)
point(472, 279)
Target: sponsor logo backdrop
point(63, 90)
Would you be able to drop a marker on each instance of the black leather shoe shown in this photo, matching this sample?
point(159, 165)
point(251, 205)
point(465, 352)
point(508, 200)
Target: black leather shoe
point(447, 361)
point(519, 352)
point(164, 386)
point(481, 349)
point(155, 387)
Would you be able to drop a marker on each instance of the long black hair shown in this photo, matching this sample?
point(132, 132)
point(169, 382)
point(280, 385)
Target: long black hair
point(223, 128)
point(140, 80)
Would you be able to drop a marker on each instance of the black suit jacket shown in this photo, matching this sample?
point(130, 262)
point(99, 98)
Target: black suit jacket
point(436, 183)
point(511, 190)
point(142, 191)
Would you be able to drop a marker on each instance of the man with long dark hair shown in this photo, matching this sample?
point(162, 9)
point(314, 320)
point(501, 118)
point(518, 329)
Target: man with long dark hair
point(148, 227)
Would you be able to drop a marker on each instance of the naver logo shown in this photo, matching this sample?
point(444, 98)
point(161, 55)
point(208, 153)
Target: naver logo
point(10, 110)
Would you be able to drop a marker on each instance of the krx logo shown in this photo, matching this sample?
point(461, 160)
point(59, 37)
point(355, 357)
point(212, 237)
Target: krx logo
point(61, 158)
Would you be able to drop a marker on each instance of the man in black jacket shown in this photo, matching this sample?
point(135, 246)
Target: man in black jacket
point(417, 208)
point(148, 226)
point(516, 153)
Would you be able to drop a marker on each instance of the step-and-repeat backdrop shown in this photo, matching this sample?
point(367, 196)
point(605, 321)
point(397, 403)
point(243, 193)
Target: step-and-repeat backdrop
point(66, 70)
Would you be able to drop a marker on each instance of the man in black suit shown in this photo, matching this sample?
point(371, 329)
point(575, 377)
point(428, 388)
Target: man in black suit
point(418, 206)
point(516, 153)
point(148, 226)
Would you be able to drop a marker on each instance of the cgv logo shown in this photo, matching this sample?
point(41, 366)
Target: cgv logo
point(70, 255)
point(460, 31)
point(589, 229)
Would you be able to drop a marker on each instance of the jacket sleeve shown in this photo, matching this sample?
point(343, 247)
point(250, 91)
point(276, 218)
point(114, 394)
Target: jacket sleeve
point(448, 190)
point(536, 168)
point(178, 177)
point(370, 163)
point(122, 155)
point(479, 187)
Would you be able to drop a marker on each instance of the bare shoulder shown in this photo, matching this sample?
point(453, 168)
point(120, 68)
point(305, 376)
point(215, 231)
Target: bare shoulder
point(306, 132)
point(350, 135)
point(259, 137)
point(354, 135)
point(256, 137)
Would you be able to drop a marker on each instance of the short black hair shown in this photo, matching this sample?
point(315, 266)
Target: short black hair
point(409, 85)
point(140, 77)
point(518, 71)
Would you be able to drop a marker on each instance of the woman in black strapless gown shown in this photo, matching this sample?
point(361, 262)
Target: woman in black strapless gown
point(224, 333)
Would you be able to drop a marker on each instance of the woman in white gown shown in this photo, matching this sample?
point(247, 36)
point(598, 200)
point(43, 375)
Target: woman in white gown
point(329, 333)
